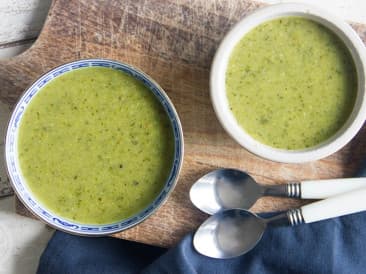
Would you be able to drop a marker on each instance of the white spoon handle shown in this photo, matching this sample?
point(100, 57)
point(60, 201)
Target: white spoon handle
point(343, 204)
point(320, 189)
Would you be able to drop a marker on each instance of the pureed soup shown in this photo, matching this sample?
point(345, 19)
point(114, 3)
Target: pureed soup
point(95, 146)
point(291, 83)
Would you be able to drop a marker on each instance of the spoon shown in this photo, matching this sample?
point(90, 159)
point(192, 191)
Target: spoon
point(233, 232)
point(230, 188)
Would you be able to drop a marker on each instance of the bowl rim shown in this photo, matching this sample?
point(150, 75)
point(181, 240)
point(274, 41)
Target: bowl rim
point(218, 93)
point(37, 208)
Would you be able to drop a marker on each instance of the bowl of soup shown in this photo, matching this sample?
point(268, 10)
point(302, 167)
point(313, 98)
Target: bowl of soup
point(94, 147)
point(288, 83)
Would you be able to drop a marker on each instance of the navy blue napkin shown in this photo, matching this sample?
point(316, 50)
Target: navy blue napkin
point(332, 246)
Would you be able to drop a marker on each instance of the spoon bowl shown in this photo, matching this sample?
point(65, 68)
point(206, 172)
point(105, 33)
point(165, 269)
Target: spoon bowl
point(229, 233)
point(224, 189)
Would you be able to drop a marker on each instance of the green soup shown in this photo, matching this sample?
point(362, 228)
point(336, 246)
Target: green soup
point(291, 83)
point(95, 146)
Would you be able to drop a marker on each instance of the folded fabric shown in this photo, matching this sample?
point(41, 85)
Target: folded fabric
point(331, 246)
point(69, 254)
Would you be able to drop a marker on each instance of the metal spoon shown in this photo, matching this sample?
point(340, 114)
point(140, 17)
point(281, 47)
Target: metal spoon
point(233, 232)
point(230, 188)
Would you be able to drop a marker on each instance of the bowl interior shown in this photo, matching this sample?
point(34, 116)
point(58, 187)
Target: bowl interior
point(20, 184)
point(218, 88)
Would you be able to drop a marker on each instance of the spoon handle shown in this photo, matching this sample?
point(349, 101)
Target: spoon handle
point(291, 190)
point(315, 189)
point(343, 204)
point(320, 189)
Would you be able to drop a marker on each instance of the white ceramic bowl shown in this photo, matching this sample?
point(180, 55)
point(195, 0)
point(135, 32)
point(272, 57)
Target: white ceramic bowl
point(19, 182)
point(218, 92)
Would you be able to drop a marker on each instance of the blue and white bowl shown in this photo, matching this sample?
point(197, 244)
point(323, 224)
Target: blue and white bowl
point(20, 186)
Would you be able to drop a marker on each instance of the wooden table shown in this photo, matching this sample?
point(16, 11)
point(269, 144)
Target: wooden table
point(174, 42)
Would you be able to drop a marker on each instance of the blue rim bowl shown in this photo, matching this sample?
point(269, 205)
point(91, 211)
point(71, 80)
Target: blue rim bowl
point(19, 183)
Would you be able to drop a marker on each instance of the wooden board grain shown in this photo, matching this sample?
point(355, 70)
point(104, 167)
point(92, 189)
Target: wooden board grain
point(174, 42)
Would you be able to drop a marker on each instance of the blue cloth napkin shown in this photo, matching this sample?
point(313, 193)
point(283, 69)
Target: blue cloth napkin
point(331, 246)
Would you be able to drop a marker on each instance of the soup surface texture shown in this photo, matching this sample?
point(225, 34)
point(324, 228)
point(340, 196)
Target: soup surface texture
point(291, 83)
point(95, 146)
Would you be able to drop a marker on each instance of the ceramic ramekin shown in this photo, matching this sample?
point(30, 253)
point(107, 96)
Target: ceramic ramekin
point(19, 183)
point(218, 92)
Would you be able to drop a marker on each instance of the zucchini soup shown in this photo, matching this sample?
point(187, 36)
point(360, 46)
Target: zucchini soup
point(291, 83)
point(95, 146)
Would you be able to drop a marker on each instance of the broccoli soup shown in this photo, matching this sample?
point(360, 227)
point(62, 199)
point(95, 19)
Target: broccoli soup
point(291, 83)
point(95, 146)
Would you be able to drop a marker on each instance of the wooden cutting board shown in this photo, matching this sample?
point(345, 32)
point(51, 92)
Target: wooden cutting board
point(174, 42)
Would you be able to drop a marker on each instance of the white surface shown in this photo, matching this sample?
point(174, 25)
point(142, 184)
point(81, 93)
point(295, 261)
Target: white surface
point(19, 252)
point(218, 89)
point(9, 51)
point(343, 204)
point(22, 240)
point(320, 189)
point(21, 19)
